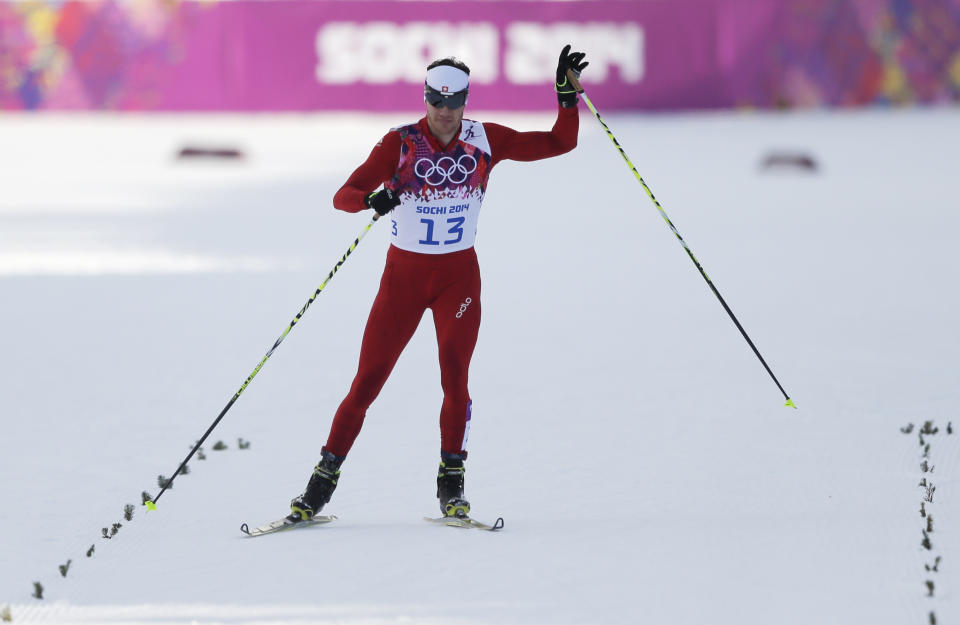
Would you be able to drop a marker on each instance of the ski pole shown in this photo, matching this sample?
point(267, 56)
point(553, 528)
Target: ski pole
point(575, 81)
point(151, 505)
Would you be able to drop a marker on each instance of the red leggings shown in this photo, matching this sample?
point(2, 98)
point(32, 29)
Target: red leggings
point(447, 284)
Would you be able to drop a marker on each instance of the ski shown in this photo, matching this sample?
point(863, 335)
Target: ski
point(293, 521)
point(465, 522)
point(285, 523)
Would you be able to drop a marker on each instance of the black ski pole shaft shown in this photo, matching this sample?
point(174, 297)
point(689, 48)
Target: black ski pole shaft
point(575, 81)
point(152, 504)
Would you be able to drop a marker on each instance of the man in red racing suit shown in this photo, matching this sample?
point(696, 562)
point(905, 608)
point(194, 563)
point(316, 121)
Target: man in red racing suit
point(434, 174)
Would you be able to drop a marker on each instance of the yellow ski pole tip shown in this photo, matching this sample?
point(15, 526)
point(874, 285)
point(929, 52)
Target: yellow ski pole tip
point(790, 403)
point(150, 505)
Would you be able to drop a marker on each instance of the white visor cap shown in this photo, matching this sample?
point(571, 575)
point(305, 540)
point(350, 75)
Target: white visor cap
point(447, 80)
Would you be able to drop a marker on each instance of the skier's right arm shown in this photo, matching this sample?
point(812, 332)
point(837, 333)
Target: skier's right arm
point(377, 169)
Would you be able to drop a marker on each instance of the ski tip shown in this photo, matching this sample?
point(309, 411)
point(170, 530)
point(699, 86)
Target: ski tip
point(150, 505)
point(790, 403)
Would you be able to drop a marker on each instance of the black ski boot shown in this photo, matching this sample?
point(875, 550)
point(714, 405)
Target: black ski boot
point(450, 488)
point(319, 489)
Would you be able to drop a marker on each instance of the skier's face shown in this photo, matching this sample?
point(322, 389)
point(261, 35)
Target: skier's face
point(443, 121)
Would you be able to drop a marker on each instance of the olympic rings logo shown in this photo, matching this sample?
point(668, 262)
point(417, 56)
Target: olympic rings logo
point(445, 169)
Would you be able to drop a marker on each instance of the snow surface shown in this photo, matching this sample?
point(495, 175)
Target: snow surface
point(640, 455)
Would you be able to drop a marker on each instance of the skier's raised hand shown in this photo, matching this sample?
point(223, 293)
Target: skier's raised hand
point(566, 93)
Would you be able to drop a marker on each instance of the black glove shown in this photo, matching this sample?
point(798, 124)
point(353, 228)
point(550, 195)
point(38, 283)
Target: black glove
point(566, 94)
point(382, 201)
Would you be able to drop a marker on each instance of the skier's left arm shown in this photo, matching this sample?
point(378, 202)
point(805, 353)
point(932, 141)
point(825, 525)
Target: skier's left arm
point(506, 143)
point(509, 144)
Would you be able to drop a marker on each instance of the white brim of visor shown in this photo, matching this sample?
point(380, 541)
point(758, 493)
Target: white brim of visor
point(446, 79)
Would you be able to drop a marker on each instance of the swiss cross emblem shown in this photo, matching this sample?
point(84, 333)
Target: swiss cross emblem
point(444, 89)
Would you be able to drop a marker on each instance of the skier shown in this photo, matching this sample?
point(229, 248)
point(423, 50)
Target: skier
point(434, 174)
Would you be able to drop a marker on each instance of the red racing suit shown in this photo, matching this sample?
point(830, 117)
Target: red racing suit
point(431, 262)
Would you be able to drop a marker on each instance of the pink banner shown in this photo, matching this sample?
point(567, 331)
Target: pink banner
point(299, 55)
point(322, 56)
